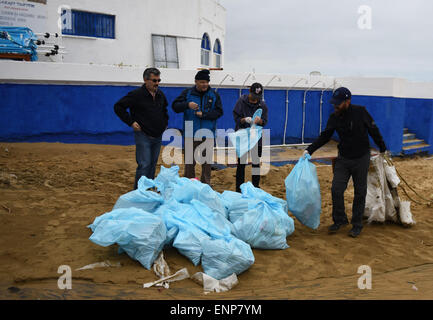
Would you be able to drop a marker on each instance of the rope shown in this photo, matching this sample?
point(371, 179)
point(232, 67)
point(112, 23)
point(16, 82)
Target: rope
point(428, 202)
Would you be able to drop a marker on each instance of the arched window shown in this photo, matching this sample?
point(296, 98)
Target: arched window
point(217, 52)
point(205, 50)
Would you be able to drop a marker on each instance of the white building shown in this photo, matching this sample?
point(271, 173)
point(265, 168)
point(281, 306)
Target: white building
point(180, 34)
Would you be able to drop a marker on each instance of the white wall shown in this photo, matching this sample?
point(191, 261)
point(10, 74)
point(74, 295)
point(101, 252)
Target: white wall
point(71, 73)
point(136, 21)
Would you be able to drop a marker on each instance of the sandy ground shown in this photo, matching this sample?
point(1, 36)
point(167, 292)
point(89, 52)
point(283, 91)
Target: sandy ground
point(49, 193)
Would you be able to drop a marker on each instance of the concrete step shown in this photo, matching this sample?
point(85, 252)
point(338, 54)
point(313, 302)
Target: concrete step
point(416, 148)
point(409, 136)
point(405, 130)
point(412, 142)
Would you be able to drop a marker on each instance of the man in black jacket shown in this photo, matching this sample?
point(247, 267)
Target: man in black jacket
point(148, 117)
point(353, 125)
point(244, 109)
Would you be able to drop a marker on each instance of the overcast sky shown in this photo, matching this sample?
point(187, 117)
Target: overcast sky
point(299, 36)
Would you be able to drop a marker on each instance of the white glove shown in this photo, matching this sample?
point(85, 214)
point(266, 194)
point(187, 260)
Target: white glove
point(305, 154)
point(248, 120)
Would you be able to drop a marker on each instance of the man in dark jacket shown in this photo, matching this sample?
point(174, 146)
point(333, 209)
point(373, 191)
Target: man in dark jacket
point(148, 117)
point(201, 107)
point(353, 125)
point(244, 109)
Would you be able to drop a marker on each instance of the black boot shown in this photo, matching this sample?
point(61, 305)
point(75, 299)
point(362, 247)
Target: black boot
point(355, 232)
point(335, 227)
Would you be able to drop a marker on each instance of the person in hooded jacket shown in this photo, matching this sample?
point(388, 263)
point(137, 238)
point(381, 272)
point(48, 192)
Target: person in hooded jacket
point(243, 112)
point(201, 107)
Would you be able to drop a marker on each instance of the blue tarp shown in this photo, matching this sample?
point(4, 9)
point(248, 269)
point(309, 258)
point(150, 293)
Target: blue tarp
point(204, 225)
point(18, 40)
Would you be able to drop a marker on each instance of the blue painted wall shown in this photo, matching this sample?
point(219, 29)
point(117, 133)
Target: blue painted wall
point(419, 119)
point(84, 114)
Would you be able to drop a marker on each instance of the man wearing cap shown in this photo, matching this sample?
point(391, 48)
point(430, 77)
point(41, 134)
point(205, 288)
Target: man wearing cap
point(244, 109)
point(353, 124)
point(201, 107)
point(148, 117)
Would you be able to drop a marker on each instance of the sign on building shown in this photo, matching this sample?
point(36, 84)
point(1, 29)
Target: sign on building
point(24, 13)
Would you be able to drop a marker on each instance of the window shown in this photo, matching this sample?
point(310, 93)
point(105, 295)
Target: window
point(205, 50)
point(165, 52)
point(89, 24)
point(217, 51)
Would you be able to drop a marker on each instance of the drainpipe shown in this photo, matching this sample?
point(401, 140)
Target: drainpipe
point(227, 76)
point(274, 77)
point(243, 85)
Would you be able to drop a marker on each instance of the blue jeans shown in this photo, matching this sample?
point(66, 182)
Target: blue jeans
point(147, 150)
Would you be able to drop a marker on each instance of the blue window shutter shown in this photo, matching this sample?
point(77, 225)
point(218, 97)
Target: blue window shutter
point(91, 24)
point(205, 43)
point(217, 46)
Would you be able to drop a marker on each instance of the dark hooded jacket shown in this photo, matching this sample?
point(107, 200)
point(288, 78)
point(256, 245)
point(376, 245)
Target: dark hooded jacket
point(244, 109)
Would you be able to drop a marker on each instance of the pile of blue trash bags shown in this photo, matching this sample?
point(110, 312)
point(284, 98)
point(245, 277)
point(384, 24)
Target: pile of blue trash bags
point(19, 40)
point(215, 229)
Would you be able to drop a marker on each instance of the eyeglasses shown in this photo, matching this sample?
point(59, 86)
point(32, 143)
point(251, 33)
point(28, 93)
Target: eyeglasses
point(156, 80)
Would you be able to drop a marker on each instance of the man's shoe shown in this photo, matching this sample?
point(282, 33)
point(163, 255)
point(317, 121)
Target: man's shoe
point(335, 227)
point(355, 232)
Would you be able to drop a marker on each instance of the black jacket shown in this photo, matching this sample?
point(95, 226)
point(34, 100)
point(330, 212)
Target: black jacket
point(353, 127)
point(151, 114)
point(180, 104)
point(244, 109)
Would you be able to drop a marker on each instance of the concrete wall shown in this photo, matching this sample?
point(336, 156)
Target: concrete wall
point(74, 102)
point(136, 21)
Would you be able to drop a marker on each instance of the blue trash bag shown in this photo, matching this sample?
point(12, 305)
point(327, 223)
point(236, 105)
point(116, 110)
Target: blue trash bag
point(165, 180)
point(245, 139)
point(303, 193)
point(222, 258)
point(200, 216)
point(210, 221)
point(189, 237)
point(212, 199)
point(181, 235)
point(228, 197)
point(236, 204)
point(141, 198)
point(278, 206)
point(140, 234)
point(188, 241)
point(238, 208)
point(249, 191)
point(186, 190)
point(264, 228)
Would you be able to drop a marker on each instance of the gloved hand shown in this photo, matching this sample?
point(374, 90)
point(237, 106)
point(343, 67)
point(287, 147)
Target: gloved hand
point(248, 120)
point(305, 154)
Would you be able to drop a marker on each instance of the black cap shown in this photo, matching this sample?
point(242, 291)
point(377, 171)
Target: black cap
point(203, 75)
point(341, 94)
point(256, 90)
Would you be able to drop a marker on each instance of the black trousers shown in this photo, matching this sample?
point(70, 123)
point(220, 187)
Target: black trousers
point(343, 170)
point(256, 154)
